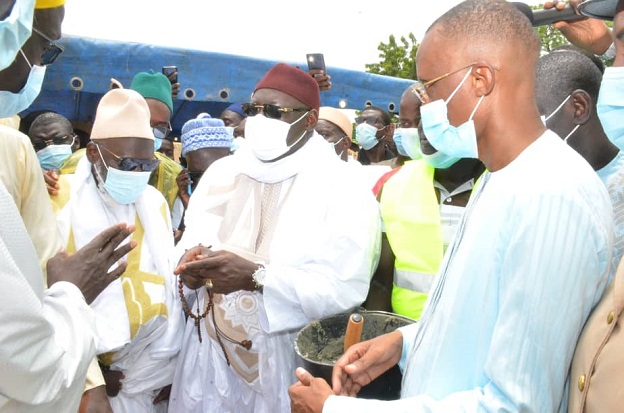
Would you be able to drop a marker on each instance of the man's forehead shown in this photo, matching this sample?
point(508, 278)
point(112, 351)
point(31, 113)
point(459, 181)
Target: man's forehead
point(49, 128)
point(328, 126)
point(49, 21)
point(370, 113)
point(275, 97)
point(434, 54)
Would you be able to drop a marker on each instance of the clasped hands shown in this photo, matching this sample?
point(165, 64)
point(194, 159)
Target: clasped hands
point(358, 366)
point(224, 270)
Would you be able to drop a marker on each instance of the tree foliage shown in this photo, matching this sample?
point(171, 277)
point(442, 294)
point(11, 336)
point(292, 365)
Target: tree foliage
point(397, 60)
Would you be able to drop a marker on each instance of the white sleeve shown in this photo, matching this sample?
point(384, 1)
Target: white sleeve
point(336, 274)
point(46, 345)
point(533, 339)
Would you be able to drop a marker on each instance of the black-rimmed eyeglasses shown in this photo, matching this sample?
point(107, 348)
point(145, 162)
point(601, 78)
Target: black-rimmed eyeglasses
point(51, 52)
point(58, 140)
point(131, 164)
point(270, 111)
point(161, 131)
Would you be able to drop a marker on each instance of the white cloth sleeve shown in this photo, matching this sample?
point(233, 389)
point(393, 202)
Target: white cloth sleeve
point(334, 278)
point(46, 346)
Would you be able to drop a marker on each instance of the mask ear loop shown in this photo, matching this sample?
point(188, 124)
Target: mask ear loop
point(458, 86)
point(25, 58)
point(101, 157)
point(339, 140)
point(557, 110)
point(476, 107)
point(570, 134)
point(304, 132)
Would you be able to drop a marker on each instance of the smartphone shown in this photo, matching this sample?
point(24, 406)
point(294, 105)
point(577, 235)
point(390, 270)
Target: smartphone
point(315, 61)
point(168, 70)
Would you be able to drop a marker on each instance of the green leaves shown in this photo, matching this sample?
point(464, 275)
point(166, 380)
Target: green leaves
point(397, 60)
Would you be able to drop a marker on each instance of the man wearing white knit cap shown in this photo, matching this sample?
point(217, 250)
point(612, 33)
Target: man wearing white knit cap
point(138, 320)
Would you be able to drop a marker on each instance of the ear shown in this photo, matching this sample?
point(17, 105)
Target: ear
point(583, 104)
point(312, 119)
point(483, 79)
point(92, 152)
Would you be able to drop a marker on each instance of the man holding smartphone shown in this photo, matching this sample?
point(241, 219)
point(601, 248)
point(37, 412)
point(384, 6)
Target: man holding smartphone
point(316, 68)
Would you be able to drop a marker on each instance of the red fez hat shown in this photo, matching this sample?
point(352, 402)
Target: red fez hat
point(293, 81)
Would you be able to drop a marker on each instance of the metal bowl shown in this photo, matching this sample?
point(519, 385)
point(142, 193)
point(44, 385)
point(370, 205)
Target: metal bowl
point(318, 342)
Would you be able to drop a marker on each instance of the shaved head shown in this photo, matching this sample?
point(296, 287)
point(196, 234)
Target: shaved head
point(483, 54)
point(49, 118)
point(560, 73)
point(488, 25)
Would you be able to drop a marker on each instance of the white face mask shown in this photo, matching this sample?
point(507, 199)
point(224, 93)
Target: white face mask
point(230, 131)
point(267, 137)
point(339, 154)
point(13, 103)
point(15, 29)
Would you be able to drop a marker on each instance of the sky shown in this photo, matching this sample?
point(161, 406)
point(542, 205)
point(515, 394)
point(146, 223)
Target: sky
point(347, 32)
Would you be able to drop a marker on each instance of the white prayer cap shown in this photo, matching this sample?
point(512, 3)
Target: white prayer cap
point(338, 118)
point(122, 113)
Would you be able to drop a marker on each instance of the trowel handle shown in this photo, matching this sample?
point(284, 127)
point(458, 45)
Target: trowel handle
point(354, 330)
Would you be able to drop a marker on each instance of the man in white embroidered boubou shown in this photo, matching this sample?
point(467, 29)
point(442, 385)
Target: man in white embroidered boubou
point(290, 244)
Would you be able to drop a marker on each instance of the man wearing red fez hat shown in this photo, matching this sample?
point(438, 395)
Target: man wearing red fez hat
point(273, 241)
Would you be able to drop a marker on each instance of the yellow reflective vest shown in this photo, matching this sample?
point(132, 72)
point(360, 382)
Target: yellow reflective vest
point(411, 216)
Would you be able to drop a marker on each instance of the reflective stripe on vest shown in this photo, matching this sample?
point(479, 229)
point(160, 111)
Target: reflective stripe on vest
point(415, 281)
point(411, 215)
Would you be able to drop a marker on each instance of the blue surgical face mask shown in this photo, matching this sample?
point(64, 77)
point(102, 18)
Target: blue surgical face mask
point(124, 186)
point(157, 143)
point(456, 141)
point(52, 156)
point(15, 29)
point(410, 142)
point(440, 160)
point(397, 137)
point(610, 105)
point(13, 103)
point(366, 136)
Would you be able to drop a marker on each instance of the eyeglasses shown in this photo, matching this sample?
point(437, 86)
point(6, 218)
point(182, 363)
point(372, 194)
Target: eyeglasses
point(59, 140)
point(268, 110)
point(367, 119)
point(161, 131)
point(52, 50)
point(420, 89)
point(131, 164)
point(406, 124)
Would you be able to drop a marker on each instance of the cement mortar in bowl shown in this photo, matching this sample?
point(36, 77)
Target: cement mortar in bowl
point(319, 344)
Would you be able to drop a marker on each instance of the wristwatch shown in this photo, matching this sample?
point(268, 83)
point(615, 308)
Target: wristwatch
point(258, 277)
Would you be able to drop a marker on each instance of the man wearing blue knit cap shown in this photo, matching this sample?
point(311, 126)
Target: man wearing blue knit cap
point(234, 119)
point(204, 140)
